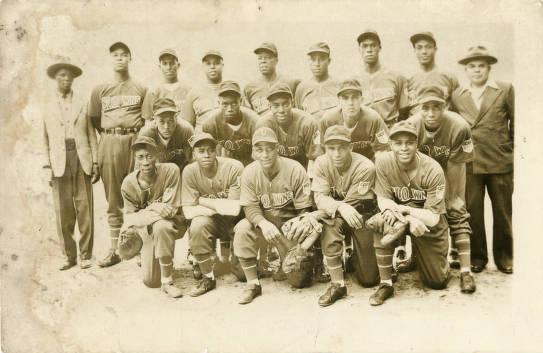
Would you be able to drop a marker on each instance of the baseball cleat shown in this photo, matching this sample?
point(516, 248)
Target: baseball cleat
point(171, 290)
point(332, 294)
point(381, 294)
point(85, 263)
point(250, 292)
point(67, 264)
point(111, 259)
point(454, 262)
point(205, 285)
point(467, 283)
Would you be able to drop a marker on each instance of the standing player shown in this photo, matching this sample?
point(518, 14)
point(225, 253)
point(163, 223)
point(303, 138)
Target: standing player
point(424, 45)
point(232, 125)
point(446, 137)
point(115, 109)
point(202, 99)
point(256, 92)
point(168, 63)
point(383, 90)
point(410, 186)
point(342, 186)
point(274, 189)
point(318, 94)
point(210, 199)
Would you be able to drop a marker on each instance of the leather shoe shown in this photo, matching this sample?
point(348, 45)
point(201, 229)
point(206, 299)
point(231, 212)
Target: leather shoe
point(250, 292)
point(171, 290)
point(507, 269)
point(68, 263)
point(205, 285)
point(333, 293)
point(383, 293)
point(85, 263)
point(477, 268)
point(111, 259)
point(467, 283)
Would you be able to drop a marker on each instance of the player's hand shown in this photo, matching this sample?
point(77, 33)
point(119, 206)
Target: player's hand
point(302, 228)
point(390, 216)
point(417, 227)
point(351, 216)
point(95, 174)
point(269, 230)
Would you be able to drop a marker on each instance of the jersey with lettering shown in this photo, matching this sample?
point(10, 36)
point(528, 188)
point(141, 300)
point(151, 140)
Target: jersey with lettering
point(385, 91)
point(450, 142)
point(233, 143)
point(177, 149)
point(315, 97)
point(282, 197)
point(255, 94)
point(446, 81)
point(369, 135)
point(175, 91)
point(225, 184)
point(199, 103)
point(118, 104)
point(352, 186)
point(301, 139)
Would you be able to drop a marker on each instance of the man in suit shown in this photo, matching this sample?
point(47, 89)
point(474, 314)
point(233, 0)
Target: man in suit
point(488, 106)
point(71, 162)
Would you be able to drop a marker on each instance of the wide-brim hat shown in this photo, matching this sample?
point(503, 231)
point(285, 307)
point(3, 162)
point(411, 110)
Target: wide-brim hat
point(478, 52)
point(53, 69)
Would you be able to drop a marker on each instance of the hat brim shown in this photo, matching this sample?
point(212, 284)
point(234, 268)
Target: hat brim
point(208, 55)
point(416, 37)
point(316, 51)
point(201, 141)
point(259, 49)
point(118, 45)
point(281, 93)
point(430, 99)
point(337, 138)
point(265, 139)
point(404, 131)
point(229, 91)
point(139, 145)
point(53, 69)
point(167, 54)
point(340, 92)
point(489, 58)
point(164, 110)
point(368, 35)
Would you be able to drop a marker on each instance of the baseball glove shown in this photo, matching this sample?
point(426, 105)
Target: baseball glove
point(301, 227)
point(390, 233)
point(298, 266)
point(130, 243)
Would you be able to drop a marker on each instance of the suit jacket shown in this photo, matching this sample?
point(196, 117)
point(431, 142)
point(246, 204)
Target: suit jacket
point(492, 126)
point(55, 135)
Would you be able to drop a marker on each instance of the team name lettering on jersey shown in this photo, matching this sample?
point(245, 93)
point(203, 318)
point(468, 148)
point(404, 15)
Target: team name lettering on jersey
point(276, 199)
point(116, 102)
point(436, 151)
point(360, 145)
point(288, 151)
point(217, 195)
point(234, 145)
point(405, 194)
point(260, 104)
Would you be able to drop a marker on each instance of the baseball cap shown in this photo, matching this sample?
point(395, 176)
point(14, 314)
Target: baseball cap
point(368, 33)
point(53, 69)
point(162, 105)
point(319, 47)
point(403, 126)
point(229, 86)
point(168, 52)
point(349, 85)
point(267, 46)
point(337, 133)
point(143, 141)
point(430, 93)
point(200, 137)
point(264, 134)
point(118, 45)
point(279, 88)
point(478, 52)
point(422, 35)
point(212, 53)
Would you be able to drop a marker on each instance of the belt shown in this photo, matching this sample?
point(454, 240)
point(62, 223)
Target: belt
point(70, 145)
point(121, 131)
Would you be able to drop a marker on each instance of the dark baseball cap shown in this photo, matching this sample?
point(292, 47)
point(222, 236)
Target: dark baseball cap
point(229, 87)
point(319, 47)
point(367, 34)
point(144, 142)
point(201, 137)
point(279, 88)
point(264, 134)
point(430, 93)
point(422, 35)
point(403, 126)
point(118, 45)
point(349, 85)
point(267, 46)
point(215, 53)
point(163, 105)
point(337, 133)
point(168, 52)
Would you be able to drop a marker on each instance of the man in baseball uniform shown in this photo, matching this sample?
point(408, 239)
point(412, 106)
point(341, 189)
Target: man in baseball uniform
point(342, 186)
point(232, 125)
point(425, 47)
point(115, 109)
point(210, 198)
point(446, 137)
point(489, 108)
point(256, 92)
point(168, 63)
point(383, 90)
point(70, 150)
point(318, 94)
point(152, 200)
point(274, 189)
point(202, 99)
point(410, 187)
point(171, 135)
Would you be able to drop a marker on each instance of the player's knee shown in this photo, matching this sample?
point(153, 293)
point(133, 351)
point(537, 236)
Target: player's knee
point(162, 227)
point(438, 283)
point(199, 240)
point(199, 224)
point(244, 242)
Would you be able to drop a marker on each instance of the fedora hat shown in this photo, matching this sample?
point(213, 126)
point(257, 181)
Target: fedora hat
point(478, 52)
point(53, 69)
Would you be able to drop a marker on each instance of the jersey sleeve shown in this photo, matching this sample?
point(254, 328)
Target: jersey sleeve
point(302, 188)
point(382, 185)
point(320, 185)
point(187, 110)
point(234, 190)
point(311, 137)
point(172, 187)
point(147, 130)
point(362, 185)
point(147, 105)
point(248, 196)
point(129, 197)
point(380, 135)
point(189, 188)
point(95, 103)
point(403, 94)
point(436, 189)
point(265, 121)
point(246, 98)
point(462, 146)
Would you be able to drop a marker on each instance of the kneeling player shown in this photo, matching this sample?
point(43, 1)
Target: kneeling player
point(342, 186)
point(410, 186)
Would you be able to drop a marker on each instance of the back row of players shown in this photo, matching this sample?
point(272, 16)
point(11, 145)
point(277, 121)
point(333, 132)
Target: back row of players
point(404, 184)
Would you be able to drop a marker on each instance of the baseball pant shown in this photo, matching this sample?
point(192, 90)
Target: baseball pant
point(116, 161)
point(460, 230)
point(500, 190)
point(72, 196)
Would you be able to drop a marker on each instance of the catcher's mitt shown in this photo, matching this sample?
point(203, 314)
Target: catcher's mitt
point(390, 233)
point(298, 266)
point(130, 243)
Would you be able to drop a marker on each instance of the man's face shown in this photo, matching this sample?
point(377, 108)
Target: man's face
point(213, 66)
point(425, 51)
point(121, 58)
point(432, 112)
point(281, 108)
point(338, 152)
point(265, 153)
point(369, 49)
point(230, 106)
point(64, 78)
point(350, 103)
point(168, 66)
point(266, 62)
point(318, 63)
point(478, 71)
point(146, 159)
point(205, 154)
point(165, 123)
point(404, 146)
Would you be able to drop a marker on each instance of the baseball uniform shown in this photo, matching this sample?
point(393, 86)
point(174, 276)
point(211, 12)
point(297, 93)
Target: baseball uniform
point(199, 103)
point(446, 81)
point(316, 98)
point(256, 92)
point(175, 91)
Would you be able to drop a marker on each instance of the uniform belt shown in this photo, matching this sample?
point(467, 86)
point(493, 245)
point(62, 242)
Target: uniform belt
point(121, 131)
point(70, 145)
